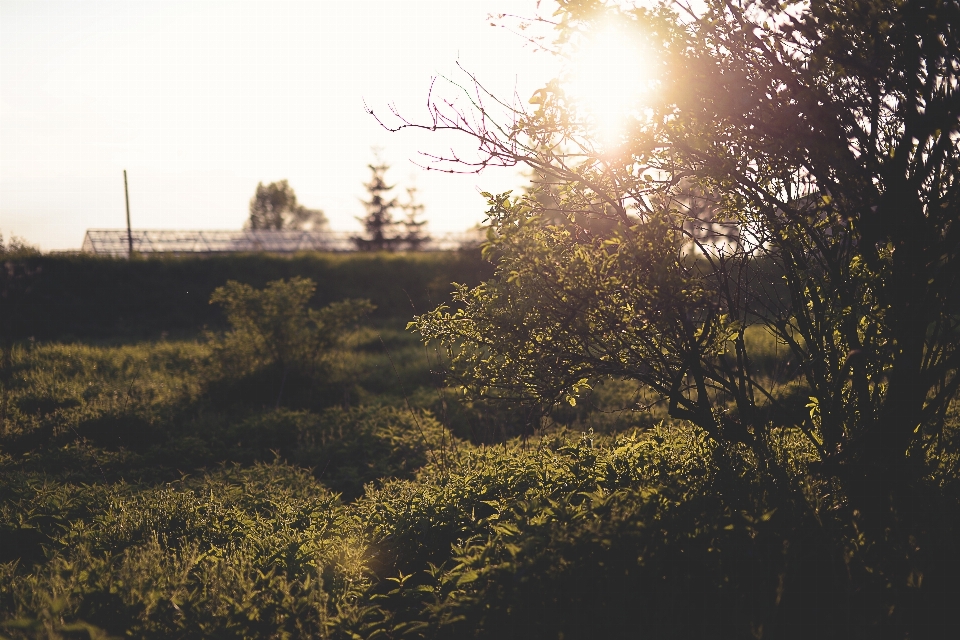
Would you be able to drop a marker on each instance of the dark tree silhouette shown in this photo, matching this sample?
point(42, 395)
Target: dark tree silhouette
point(414, 236)
point(379, 224)
point(822, 138)
point(274, 206)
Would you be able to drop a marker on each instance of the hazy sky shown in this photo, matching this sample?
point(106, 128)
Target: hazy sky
point(201, 100)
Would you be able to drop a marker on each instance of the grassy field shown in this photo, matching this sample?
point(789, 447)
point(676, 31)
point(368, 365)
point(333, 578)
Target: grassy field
point(148, 490)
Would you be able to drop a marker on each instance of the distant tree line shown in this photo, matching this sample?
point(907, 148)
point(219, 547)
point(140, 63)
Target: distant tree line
point(275, 207)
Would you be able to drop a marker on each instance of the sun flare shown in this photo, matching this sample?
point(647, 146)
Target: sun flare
point(609, 79)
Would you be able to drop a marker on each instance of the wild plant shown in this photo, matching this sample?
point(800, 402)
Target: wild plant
point(274, 327)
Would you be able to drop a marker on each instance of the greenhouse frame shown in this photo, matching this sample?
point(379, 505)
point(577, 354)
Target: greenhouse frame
point(117, 242)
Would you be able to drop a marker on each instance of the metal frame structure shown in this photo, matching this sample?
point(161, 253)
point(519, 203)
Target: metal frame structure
point(117, 242)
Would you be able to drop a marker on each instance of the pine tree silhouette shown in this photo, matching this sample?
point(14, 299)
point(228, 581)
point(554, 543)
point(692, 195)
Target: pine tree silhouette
point(413, 232)
point(379, 223)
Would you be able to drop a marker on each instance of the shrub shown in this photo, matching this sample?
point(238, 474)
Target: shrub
point(274, 327)
point(258, 552)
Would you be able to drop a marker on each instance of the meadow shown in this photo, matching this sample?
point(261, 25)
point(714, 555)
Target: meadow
point(180, 482)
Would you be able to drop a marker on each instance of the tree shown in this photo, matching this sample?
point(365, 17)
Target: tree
point(17, 248)
point(379, 223)
point(826, 136)
point(275, 207)
point(413, 233)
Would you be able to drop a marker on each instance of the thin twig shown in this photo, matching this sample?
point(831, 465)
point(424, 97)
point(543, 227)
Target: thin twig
point(133, 381)
point(406, 400)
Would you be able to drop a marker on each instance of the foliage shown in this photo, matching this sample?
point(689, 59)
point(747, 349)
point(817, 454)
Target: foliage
point(379, 223)
point(794, 169)
point(238, 552)
point(147, 411)
point(634, 318)
point(16, 248)
point(346, 448)
point(16, 280)
point(274, 206)
point(758, 273)
point(589, 537)
point(101, 532)
point(135, 502)
point(807, 148)
point(413, 233)
point(384, 233)
point(274, 325)
point(63, 297)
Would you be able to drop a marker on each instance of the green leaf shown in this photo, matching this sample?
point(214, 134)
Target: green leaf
point(467, 578)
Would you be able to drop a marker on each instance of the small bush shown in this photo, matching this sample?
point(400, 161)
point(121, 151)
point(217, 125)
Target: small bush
point(258, 552)
point(274, 325)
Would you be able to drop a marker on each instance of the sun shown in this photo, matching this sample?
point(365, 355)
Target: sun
point(609, 79)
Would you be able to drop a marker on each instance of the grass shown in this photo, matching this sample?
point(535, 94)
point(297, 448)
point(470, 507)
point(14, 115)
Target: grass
point(148, 492)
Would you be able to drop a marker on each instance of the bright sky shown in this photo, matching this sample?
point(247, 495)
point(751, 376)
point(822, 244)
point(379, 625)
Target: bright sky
point(201, 100)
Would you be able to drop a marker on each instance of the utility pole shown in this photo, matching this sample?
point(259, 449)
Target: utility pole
point(126, 195)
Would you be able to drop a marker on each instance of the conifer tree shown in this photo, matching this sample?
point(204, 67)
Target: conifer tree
point(379, 223)
point(414, 236)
